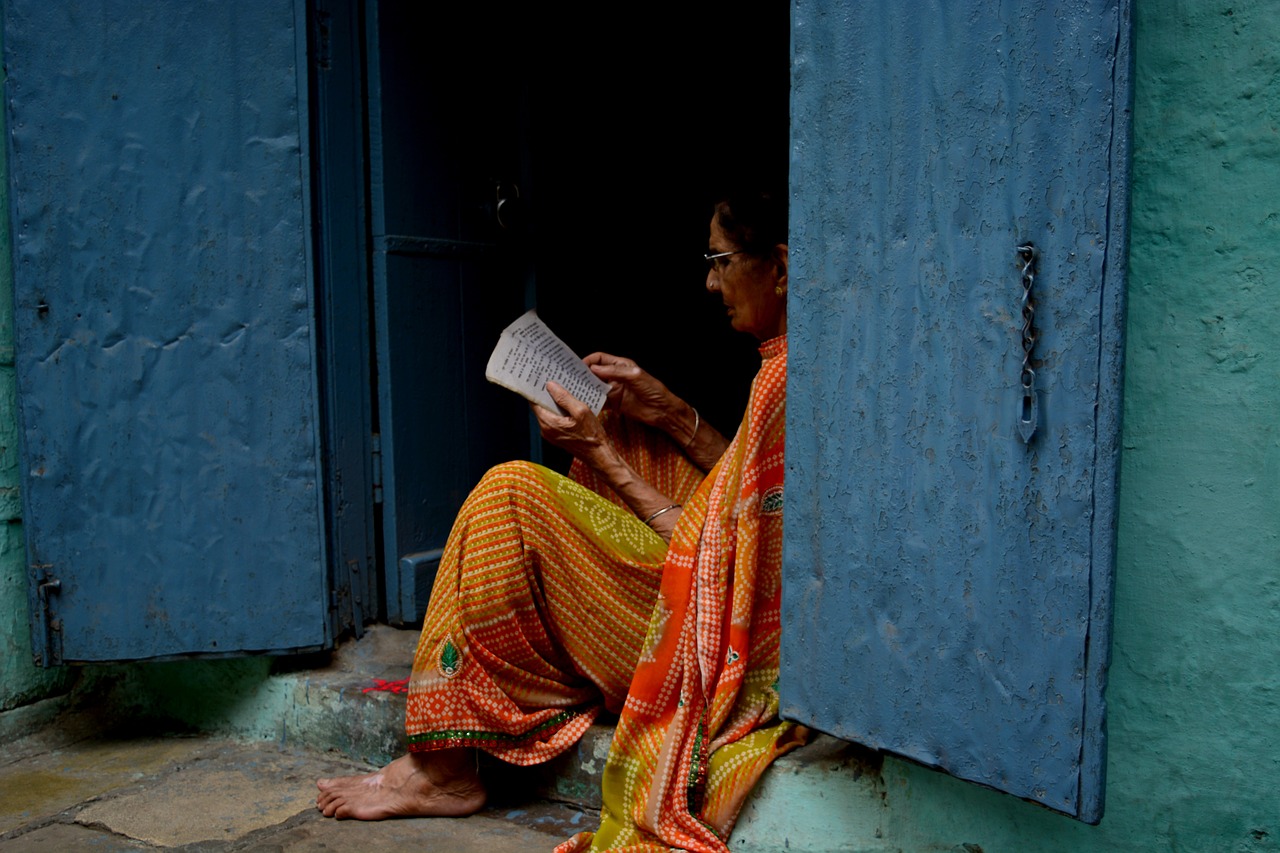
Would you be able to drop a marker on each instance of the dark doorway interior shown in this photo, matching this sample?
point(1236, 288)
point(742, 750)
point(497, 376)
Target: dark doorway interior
point(607, 141)
point(635, 129)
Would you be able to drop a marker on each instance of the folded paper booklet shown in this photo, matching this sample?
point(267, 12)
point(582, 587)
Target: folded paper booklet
point(529, 355)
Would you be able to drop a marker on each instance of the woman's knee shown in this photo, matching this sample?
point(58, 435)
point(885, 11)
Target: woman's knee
point(508, 474)
point(512, 481)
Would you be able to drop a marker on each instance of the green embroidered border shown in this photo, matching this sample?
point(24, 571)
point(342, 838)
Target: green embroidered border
point(696, 789)
point(482, 736)
point(695, 764)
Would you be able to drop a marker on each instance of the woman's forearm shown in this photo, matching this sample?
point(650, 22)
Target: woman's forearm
point(702, 442)
point(650, 505)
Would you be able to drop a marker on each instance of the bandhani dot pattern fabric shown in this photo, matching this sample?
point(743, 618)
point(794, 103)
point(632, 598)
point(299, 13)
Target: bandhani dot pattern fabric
point(699, 725)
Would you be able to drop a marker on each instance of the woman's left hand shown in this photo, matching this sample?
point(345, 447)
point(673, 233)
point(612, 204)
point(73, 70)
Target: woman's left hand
point(577, 430)
point(636, 394)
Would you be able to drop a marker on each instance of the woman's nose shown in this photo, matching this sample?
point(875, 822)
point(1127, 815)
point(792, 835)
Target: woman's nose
point(713, 280)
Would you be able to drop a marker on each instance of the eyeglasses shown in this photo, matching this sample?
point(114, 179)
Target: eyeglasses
point(717, 260)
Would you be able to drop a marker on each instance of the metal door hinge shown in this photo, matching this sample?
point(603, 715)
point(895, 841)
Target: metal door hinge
point(375, 446)
point(50, 626)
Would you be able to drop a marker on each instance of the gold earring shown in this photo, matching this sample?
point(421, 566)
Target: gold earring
point(779, 290)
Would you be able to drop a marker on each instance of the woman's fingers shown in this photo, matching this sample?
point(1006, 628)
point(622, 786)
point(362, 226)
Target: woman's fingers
point(571, 405)
point(636, 393)
point(575, 424)
point(608, 366)
point(577, 430)
point(546, 418)
point(618, 371)
point(605, 358)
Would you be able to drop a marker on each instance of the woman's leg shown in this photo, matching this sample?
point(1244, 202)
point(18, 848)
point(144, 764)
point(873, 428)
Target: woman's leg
point(536, 620)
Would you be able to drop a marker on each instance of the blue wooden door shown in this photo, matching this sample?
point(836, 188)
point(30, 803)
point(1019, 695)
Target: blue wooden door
point(165, 346)
point(446, 109)
point(947, 583)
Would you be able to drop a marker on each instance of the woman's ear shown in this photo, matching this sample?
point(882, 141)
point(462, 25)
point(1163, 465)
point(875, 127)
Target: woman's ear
point(780, 270)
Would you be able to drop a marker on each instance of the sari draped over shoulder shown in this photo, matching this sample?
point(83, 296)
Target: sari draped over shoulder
point(553, 602)
point(699, 724)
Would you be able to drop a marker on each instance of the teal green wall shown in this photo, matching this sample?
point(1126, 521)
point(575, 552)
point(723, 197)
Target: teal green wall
point(1195, 681)
point(1196, 667)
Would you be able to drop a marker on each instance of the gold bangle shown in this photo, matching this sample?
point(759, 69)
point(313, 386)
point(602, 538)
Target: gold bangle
point(661, 511)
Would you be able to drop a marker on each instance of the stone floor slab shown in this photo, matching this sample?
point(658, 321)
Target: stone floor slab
point(210, 796)
point(42, 784)
point(234, 790)
point(488, 832)
point(61, 837)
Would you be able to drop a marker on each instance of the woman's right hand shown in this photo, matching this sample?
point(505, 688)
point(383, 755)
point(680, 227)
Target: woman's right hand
point(634, 392)
point(576, 430)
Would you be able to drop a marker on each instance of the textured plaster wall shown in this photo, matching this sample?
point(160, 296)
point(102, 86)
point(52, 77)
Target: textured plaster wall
point(1195, 682)
point(1196, 670)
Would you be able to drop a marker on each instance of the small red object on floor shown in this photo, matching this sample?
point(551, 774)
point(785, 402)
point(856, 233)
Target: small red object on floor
point(401, 686)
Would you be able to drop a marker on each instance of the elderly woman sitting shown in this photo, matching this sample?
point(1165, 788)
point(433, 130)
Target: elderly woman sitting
point(646, 583)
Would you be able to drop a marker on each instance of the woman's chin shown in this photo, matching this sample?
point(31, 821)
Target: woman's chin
point(746, 329)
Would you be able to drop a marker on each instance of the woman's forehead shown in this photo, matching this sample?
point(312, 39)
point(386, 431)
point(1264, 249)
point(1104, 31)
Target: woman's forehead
point(718, 239)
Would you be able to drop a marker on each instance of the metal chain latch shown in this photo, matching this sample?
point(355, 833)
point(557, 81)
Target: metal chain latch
point(1028, 408)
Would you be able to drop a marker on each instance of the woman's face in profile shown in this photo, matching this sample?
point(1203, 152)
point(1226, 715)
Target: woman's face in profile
point(748, 287)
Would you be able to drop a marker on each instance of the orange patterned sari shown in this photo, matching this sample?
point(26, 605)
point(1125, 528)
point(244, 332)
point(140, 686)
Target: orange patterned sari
point(690, 743)
point(551, 603)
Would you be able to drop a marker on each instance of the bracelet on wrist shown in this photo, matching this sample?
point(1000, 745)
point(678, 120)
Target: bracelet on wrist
point(697, 422)
point(667, 508)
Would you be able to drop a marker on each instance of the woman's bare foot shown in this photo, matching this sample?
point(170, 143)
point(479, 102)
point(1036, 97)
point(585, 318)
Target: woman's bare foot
point(420, 784)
